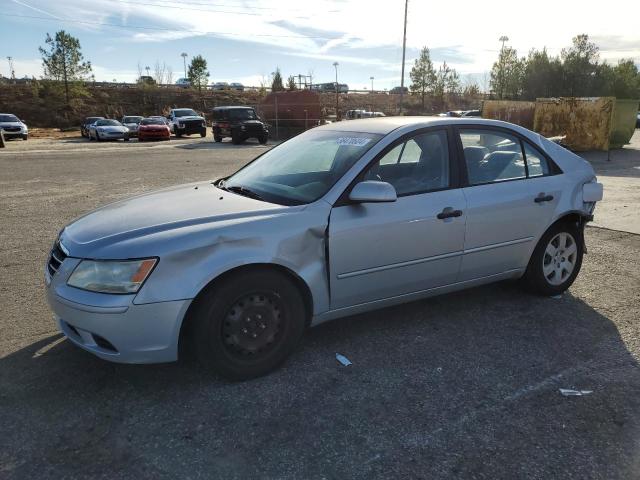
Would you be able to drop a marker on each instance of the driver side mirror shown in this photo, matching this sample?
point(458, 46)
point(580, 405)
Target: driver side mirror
point(372, 191)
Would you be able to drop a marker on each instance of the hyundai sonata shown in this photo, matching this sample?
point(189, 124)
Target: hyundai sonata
point(339, 220)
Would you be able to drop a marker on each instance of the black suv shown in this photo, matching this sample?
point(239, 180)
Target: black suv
point(239, 123)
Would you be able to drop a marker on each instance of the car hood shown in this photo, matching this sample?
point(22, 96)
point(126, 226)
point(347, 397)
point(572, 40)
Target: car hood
point(159, 212)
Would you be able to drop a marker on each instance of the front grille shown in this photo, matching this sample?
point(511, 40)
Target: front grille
point(192, 123)
point(11, 129)
point(56, 257)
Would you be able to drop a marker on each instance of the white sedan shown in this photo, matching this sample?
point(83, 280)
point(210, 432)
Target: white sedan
point(105, 129)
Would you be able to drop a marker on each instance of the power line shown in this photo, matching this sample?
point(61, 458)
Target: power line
point(141, 27)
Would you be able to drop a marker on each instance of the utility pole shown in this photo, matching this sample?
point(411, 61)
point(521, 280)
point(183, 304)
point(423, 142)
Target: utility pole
point(404, 49)
point(502, 39)
point(184, 61)
point(371, 78)
point(335, 64)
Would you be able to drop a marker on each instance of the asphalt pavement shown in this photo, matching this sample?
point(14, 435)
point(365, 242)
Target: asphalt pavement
point(464, 385)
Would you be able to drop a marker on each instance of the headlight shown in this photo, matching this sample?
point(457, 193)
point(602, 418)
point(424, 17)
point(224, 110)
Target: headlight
point(108, 276)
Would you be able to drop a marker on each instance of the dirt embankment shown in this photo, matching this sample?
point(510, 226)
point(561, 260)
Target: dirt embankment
point(42, 104)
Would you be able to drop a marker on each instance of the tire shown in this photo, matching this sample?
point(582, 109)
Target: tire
point(236, 139)
point(263, 139)
point(274, 312)
point(556, 260)
point(140, 139)
point(126, 139)
point(25, 137)
point(203, 133)
point(217, 137)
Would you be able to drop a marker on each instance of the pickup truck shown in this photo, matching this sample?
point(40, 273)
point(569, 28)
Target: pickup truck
point(185, 121)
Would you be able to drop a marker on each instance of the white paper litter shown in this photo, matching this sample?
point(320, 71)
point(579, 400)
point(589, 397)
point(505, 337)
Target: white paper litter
point(557, 297)
point(567, 392)
point(343, 360)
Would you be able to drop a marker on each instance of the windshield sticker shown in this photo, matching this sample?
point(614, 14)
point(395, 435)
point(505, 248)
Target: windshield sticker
point(353, 141)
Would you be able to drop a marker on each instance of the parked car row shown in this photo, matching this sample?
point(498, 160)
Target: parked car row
point(13, 127)
point(131, 126)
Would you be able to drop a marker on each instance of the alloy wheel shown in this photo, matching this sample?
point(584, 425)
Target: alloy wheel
point(559, 259)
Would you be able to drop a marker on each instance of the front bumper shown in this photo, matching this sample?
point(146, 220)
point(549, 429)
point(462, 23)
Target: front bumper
point(113, 327)
point(188, 129)
point(14, 134)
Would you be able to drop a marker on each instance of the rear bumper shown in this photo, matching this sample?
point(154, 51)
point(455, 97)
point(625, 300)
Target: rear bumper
point(146, 333)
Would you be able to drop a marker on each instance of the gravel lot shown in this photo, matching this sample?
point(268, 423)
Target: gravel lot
point(459, 386)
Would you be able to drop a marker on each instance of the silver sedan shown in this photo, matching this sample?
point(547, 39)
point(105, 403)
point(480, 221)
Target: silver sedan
point(339, 220)
point(106, 129)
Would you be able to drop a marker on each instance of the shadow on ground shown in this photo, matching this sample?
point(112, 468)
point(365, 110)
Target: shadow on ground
point(460, 386)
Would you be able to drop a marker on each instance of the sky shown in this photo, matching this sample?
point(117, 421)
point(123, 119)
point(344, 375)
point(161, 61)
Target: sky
point(246, 40)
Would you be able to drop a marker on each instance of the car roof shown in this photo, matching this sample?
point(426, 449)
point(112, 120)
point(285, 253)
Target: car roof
point(386, 125)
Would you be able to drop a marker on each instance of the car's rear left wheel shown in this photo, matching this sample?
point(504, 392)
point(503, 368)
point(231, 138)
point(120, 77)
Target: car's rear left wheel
point(556, 260)
point(249, 324)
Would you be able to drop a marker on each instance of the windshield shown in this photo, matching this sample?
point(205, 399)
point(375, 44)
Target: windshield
point(185, 113)
point(242, 114)
point(8, 118)
point(131, 119)
point(302, 169)
point(108, 123)
point(152, 121)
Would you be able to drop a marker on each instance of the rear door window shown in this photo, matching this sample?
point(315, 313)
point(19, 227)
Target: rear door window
point(492, 156)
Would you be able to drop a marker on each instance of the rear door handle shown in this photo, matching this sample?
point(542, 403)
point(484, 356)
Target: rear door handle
point(543, 198)
point(449, 213)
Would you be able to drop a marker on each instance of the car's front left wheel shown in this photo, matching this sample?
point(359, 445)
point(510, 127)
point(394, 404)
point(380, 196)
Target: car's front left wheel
point(556, 260)
point(249, 324)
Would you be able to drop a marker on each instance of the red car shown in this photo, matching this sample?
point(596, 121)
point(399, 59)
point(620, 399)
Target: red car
point(153, 129)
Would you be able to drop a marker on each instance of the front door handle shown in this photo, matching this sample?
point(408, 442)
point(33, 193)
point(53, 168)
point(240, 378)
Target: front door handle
point(449, 213)
point(543, 198)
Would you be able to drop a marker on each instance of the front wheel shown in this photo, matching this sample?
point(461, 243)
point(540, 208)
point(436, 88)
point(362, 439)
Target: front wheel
point(556, 260)
point(263, 139)
point(203, 132)
point(236, 139)
point(249, 324)
point(25, 137)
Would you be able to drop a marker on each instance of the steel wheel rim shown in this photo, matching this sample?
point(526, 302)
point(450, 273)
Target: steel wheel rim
point(253, 326)
point(559, 259)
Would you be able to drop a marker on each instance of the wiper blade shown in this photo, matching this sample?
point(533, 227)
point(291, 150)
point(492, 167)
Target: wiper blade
point(244, 191)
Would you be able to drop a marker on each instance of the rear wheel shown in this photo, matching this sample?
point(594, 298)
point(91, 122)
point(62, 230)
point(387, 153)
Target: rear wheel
point(248, 325)
point(203, 132)
point(263, 139)
point(556, 260)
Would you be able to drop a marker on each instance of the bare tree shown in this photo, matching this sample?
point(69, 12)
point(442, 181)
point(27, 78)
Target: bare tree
point(168, 75)
point(159, 72)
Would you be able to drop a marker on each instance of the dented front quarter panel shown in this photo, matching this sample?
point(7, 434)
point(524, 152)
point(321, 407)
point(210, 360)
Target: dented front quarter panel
point(193, 257)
